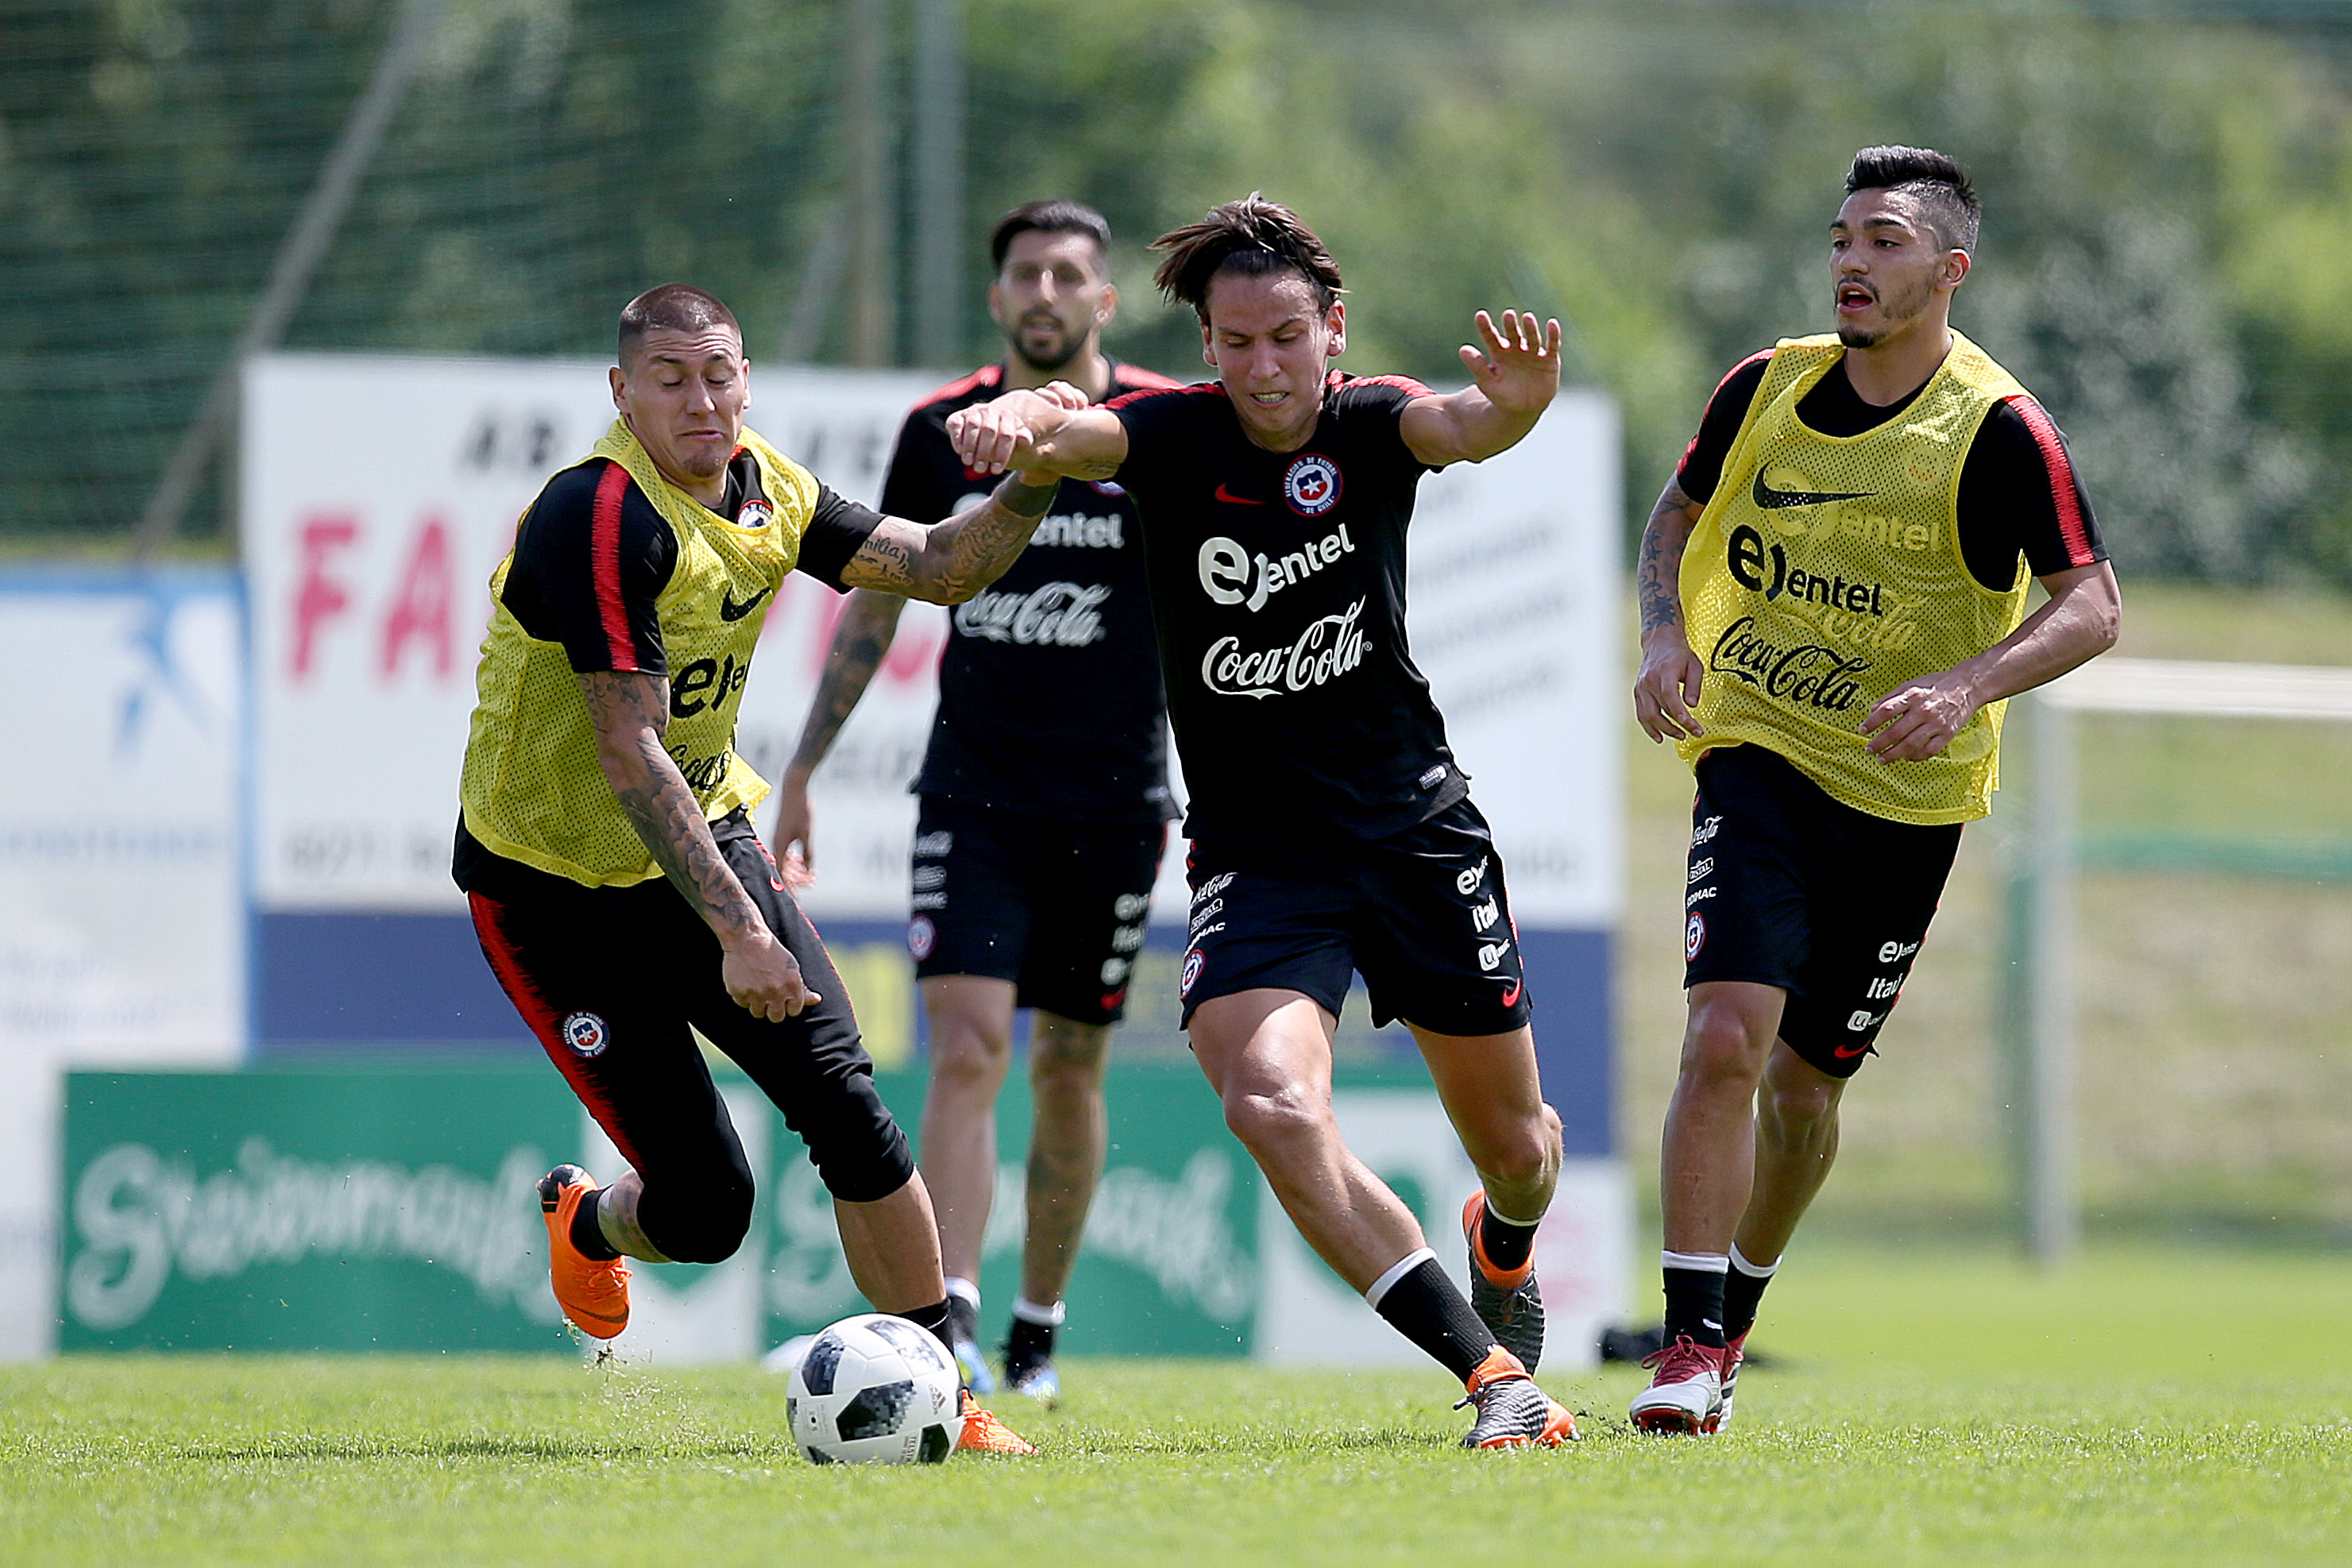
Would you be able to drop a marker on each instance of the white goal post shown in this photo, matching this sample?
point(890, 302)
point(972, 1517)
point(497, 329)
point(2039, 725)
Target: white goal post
point(2044, 858)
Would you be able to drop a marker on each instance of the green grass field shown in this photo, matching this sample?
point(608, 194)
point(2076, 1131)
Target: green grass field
point(1929, 1407)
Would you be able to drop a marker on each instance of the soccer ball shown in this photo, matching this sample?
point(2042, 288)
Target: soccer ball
point(875, 1390)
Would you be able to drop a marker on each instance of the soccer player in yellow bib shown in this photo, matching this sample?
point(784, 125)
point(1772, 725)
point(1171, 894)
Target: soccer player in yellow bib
point(1833, 596)
point(606, 848)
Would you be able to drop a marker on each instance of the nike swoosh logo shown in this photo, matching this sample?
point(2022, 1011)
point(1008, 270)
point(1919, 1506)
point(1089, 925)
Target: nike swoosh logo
point(1227, 496)
point(1845, 1051)
point(1511, 997)
point(729, 610)
point(1772, 499)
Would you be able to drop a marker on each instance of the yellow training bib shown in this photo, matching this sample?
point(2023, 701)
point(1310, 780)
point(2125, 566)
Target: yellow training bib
point(1827, 572)
point(533, 788)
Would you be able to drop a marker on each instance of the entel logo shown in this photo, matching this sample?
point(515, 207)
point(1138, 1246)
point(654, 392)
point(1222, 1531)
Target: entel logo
point(1225, 567)
point(1311, 485)
point(1894, 951)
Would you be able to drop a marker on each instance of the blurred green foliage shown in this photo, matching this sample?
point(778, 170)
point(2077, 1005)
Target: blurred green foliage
point(2169, 193)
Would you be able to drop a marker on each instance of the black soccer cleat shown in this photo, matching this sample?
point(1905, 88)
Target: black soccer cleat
point(1513, 1312)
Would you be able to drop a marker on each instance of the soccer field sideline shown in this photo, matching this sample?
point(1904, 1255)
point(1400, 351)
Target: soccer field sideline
point(1925, 1406)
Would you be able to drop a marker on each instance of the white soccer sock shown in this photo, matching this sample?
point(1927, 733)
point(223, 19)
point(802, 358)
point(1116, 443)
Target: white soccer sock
point(1396, 1271)
point(1028, 1311)
point(1704, 1262)
point(1753, 1270)
point(964, 1290)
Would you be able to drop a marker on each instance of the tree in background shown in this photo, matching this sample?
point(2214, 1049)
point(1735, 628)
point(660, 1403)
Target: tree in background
point(2168, 201)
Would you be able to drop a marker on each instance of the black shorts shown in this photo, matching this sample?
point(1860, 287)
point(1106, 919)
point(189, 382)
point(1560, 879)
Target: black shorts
point(1787, 886)
point(1055, 906)
point(1423, 916)
point(610, 979)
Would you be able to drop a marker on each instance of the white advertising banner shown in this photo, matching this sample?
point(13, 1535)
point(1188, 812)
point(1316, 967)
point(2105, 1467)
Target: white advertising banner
point(379, 493)
point(122, 911)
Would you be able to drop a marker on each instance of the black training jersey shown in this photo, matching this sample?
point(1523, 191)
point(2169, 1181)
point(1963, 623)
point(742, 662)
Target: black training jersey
point(1049, 689)
point(1277, 583)
point(2019, 495)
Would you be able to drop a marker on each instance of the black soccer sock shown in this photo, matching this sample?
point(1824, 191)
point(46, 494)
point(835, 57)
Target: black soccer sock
point(588, 1235)
point(1029, 1342)
point(1506, 1242)
point(1421, 1303)
point(1743, 1289)
point(934, 1318)
point(1694, 1297)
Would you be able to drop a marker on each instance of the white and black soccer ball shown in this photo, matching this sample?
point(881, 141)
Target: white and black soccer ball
point(875, 1390)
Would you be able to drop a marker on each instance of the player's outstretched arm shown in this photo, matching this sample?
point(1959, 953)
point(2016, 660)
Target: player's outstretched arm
point(1051, 430)
point(1671, 673)
point(868, 622)
point(2079, 622)
point(1516, 375)
point(630, 714)
point(948, 562)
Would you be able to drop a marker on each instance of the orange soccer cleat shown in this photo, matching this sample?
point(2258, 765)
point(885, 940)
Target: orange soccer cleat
point(1513, 1413)
point(984, 1434)
point(593, 1292)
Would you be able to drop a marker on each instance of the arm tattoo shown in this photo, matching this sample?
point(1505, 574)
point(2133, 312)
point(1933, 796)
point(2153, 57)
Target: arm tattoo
point(1659, 572)
point(968, 551)
point(886, 561)
point(866, 629)
point(630, 714)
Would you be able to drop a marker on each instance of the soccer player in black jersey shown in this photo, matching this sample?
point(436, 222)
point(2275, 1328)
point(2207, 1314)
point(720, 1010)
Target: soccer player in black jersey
point(1833, 595)
point(1045, 793)
point(605, 844)
point(1331, 830)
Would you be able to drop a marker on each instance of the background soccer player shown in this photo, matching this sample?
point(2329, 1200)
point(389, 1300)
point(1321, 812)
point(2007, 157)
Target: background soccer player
point(1331, 830)
point(605, 850)
point(1045, 793)
point(1833, 586)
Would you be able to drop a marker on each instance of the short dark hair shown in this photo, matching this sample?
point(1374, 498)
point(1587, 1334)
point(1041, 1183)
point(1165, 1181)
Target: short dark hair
point(1054, 216)
point(670, 308)
point(1935, 179)
point(1253, 236)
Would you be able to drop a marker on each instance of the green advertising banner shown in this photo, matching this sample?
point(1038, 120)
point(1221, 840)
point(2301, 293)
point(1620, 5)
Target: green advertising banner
point(394, 1208)
point(346, 1209)
point(1170, 1265)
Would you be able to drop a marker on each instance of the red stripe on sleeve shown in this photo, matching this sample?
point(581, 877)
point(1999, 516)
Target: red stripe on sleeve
point(605, 564)
point(2063, 494)
point(1403, 383)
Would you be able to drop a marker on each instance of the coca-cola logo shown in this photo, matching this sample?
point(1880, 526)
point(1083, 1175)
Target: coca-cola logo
point(1330, 647)
point(1810, 674)
point(1058, 615)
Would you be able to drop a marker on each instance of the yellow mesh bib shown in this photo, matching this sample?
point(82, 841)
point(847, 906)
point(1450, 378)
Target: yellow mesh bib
point(1827, 572)
point(533, 789)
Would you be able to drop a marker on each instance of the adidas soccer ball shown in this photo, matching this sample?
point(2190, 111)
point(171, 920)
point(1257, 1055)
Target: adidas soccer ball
point(875, 1390)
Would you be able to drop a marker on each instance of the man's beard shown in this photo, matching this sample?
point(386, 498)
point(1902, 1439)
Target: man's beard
point(1066, 350)
point(1897, 315)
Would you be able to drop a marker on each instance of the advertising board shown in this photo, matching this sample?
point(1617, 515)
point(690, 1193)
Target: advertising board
point(392, 1208)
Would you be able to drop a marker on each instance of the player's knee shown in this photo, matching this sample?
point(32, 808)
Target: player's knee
point(1795, 1114)
point(1067, 1060)
point(966, 1059)
point(1276, 1123)
point(1725, 1043)
point(857, 1147)
point(710, 1227)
